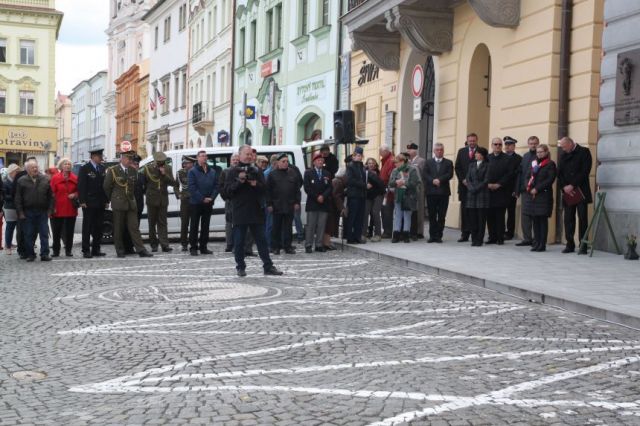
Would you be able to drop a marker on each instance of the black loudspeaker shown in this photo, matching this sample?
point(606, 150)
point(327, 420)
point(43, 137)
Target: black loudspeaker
point(344, 126)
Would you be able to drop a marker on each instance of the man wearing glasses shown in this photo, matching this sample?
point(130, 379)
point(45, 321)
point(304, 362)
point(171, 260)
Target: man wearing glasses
point(500, 175)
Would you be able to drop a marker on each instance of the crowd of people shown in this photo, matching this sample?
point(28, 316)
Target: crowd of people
point(372, 199)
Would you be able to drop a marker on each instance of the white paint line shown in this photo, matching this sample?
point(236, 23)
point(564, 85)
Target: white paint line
point(484, 399)
point(502, 311)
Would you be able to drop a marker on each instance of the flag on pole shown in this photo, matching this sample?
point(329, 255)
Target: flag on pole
point(160, 98)
point(152, 105)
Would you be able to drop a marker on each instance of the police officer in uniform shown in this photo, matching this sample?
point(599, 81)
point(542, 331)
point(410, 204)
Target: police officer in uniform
point(93, 201)
point(158, 177)
point(119, 185)
point(183, 195)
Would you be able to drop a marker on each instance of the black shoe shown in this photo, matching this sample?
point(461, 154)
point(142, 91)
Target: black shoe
point(185, 248)
point(273, 271)
point(242, 273)
point(488, 242)
point(194, 252)
point(385, 236)
point(463, 240)
point(524, 244)
point(290, 250)
point(154, 249)
point(320, 249)
point(55, 254)
point(500, 243)
point(121, 255)
point(309, 250)
point(130, 251)
point(508, 237)
point(352, 241)
point(205, 251)
point(250, 254)
point(439, 241)
point(31, 258)
point(68, 253)
point(228, 249)
point(583, 249)
point(275, 251)
point(98, 254)
point(534, 248)
point(476, 244)
point(431, 240)
point(568, 249)
point(420, 237)
point(45, 258)
point(329, 248)
point(166, 249)
point(145, 253)
point(406, 238)
point(414, 237)
point(87, 255)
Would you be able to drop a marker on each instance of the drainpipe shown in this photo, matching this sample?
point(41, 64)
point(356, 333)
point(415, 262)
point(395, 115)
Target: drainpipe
point(339, 65)
point(233, 73)
point(563, 96)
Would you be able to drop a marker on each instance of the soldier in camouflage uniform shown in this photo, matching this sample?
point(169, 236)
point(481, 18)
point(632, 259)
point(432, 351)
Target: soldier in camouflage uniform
point(119, 185)
point(158, 177)
point(183, 195)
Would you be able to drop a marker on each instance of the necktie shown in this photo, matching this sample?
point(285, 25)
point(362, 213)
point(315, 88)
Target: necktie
point(319, 175)
point(471, 153)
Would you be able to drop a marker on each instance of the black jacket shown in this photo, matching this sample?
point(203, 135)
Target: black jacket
point(542, 204)
point(574, 169)
point(34, 196)
point(91, 186)
point(525, 164)
point(478, 192)
point(331, 164)
point(444, 173)
point(377, 185)
point(283, 190)
point(515, 160)
point(501, 171)
point(246, 201)
point(462, 167)
point(356, 180)
point(315, 187)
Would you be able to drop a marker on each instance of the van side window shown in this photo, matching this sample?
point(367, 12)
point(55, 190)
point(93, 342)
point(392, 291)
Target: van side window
point(218, 162)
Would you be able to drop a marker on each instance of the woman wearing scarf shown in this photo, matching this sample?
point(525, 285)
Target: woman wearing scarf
point(403, 182)
point(64, 185)
point(537, 202)
point(478, 195)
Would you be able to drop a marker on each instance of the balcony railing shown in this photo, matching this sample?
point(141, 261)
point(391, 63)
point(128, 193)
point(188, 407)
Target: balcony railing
point(47, 4)
point(355, 3)
point(202, 118)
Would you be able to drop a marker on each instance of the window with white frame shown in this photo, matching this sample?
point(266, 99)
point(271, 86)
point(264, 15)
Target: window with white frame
point(269, 30)
point(278, 26)
point(154, 97)
point(241, 45)
point(167, 29)
point(183, 103)
point(215, 19)
point(325, 13)
point(210, 25)
point(3, 50)
point(213, 90)
point(155, 37)
point(182, 18)
point(176, 91)
point(3, 101)
point(202, 39)
point(304, 17)
point(254, 41)
point(27, 102)
point(27, 52)
point(166, 94)
point(361, 119)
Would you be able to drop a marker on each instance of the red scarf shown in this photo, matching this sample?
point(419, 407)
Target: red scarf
point(535, 168)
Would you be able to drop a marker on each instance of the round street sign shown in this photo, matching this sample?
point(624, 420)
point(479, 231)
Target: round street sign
point(125, 146)
point(417, 81)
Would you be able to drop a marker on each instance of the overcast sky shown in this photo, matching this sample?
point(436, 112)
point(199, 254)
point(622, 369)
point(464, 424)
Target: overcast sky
point(82, 44)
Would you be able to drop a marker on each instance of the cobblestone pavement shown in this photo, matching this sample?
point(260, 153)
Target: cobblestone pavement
point(337, 340)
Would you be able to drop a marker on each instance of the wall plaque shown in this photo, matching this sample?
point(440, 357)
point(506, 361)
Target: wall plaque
point(627, 102)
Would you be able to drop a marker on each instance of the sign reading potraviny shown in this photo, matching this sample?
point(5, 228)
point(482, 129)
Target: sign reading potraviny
point(311, 91)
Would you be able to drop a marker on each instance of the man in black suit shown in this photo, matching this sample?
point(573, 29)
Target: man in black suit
point(527, 158)
point(437, 173)
point(574, 167)
point(464, 157)
point(516, 159)
point(500, 176)
point(93, 201)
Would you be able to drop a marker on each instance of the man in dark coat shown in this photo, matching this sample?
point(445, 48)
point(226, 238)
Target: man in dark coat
point(465, 156)
point(203, 190)
point(515, 160)
point(437, 173)
point(356, 198)
point(245, 187)
point(93, 201)
point(525, 164)
point(228, 226)
point(500, 176)
point(317, 185)
point(331, 163)
point(574, 167)
point(283, 200)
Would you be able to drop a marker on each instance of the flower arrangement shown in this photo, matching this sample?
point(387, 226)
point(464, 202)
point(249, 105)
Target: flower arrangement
point(632, 243)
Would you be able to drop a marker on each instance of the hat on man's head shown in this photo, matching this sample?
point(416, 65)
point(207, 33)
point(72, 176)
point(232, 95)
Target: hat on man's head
point(136, 158)
point(187, 159)
point(325, 147)
point(160, 157)
point(508, 140)
point(412, 146)
point(317, 155)
point(97, 151)
point(358, 150)
point(129, 154)
point(282, 155)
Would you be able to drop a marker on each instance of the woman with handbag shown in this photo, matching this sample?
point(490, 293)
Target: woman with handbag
point(537, 201)
point(64, 185)
point(403, 182)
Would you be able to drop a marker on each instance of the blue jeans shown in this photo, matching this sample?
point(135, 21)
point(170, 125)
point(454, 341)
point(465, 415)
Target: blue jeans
point(8, 236)
point(401, 219)
point(36, 222)
point(239, 235)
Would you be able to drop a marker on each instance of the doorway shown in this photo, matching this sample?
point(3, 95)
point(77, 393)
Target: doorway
point(428, 110)
point(479, 99)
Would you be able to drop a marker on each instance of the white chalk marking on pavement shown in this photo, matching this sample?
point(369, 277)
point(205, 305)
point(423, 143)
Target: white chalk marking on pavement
point(487, 398)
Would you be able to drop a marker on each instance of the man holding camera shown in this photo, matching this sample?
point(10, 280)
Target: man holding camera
point(245, 188)
point(203, 188)
point(157, 178)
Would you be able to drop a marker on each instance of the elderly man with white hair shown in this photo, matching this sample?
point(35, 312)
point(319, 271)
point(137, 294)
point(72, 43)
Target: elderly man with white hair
point(34, 204)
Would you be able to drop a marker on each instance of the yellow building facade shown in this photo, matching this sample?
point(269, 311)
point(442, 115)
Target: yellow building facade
point(496, 72)
point(28, 33)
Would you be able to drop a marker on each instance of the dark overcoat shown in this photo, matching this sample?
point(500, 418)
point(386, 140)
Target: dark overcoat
point(478, 192)
point(574, 169)
point(501, 171)
point(444, 173)
point(314, 187)
point(542, 204)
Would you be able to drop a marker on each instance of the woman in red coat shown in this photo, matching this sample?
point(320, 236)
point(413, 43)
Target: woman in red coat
point(64, 185)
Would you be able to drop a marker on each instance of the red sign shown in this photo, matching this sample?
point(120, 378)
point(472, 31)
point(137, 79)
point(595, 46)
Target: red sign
point(125, 146)
point(417, 81)
point(264, 119)
point(269, 68)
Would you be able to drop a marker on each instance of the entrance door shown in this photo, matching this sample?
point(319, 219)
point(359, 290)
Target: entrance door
point(479, 100)
point(428, 110)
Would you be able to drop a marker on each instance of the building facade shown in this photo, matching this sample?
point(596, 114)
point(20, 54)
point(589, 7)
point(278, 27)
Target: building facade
point(145, 148)
point(63, 119)
point(619, 123)
point(167, 128)
point(286, 63)
point(128, 106)
point(88, 116)
point(489, 67)
point(28, 33)
point(210, 73)
point(128, 44)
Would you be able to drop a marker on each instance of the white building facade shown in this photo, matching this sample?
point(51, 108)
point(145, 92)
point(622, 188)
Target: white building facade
point(128, 44)
point(88, 120)
point(168, 126)
point(210, 72)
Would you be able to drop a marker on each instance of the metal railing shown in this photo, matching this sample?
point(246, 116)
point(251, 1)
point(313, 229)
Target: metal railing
point(48, 4)
point(355, 3)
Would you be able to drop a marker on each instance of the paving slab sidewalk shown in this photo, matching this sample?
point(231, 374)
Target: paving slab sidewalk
point(605, 286)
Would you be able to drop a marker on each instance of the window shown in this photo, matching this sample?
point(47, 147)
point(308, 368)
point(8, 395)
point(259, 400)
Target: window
point(154, 96)
point(202, 39)
point(254, 40)
point(27, 52)
point(27, 100)
point(213, 90)
point(184, 89)
point(325, 12)
point(215, 18)
point(210, 28)
point(155, 38)
point(167, 29)
point(3, 102)
point(3, 50)
point(182, 18)
point(165, 93)
point(241, 43)
point(361, 119)
point(269, 32)
point(304, 17)
point(278, 26)
point(223, 85)
point(176, 91)
point(223, 18)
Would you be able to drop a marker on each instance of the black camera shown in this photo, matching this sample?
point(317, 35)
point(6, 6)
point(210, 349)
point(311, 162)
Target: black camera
point(250, 171)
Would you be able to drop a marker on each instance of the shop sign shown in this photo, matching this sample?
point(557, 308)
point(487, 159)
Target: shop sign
point(269, 68)
point(312, 91)
point(368, 73)
point(31, 139)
